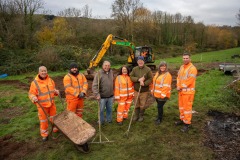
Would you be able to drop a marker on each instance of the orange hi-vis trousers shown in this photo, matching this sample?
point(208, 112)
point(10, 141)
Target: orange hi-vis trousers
point(123, 108)
point(76, 106)
point(185, 107)
point(51, 112)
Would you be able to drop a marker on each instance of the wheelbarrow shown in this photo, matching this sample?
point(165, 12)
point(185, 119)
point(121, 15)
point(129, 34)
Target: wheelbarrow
point(73, 127)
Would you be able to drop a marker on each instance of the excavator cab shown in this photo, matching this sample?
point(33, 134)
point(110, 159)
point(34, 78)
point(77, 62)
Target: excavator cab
point(144, 51)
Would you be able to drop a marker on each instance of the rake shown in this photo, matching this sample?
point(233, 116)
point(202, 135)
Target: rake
point(129, 126)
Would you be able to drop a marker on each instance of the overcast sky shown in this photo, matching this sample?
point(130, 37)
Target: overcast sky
point(210, 12)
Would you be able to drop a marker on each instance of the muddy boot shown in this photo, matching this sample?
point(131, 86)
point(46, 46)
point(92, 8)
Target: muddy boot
point(141, 115)
point(185, 128)
point(136, 114)
point(177, 123)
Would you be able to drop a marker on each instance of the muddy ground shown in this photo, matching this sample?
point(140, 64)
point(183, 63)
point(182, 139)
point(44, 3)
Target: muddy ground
point(222, 133)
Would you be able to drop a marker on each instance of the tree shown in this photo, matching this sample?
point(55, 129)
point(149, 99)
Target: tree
point(238, 17)
point(27, 9)
point(124, 12)
point(75, 12)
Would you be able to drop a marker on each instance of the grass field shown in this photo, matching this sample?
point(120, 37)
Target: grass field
point(18, 119)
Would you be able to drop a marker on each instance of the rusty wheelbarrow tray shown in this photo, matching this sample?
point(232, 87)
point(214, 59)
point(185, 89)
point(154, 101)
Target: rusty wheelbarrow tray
point(74, 127)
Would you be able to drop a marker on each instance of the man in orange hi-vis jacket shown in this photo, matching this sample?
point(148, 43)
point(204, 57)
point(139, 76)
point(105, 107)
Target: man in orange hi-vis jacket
point(123, 93)
point(186, 89)
point(76, 86)
point(42, 92)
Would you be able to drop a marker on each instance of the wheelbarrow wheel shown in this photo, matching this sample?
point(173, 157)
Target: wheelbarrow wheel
point(83, 148)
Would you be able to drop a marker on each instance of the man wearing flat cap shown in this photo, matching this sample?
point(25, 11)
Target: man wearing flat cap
point(141, 75)
point(76, 86)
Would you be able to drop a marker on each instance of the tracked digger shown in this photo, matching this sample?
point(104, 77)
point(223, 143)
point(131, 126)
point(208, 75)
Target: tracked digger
point(134, 52)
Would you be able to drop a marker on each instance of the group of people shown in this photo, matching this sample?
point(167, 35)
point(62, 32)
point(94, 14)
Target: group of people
point(125, 88)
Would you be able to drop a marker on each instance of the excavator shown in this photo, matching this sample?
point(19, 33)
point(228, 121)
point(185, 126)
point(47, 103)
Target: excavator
point(133, 54)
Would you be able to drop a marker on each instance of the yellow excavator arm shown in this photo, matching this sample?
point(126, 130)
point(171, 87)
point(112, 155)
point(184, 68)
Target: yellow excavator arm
point(105, 46)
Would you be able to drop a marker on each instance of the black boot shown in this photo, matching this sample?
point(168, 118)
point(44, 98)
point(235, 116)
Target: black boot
point(85, 147)
point(141, 115)
point(158, 121)
point(136, 114)
point(185, 128)
point(177, 123)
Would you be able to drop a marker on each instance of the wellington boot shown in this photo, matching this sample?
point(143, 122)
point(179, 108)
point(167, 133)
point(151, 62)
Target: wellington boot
point(158, 122)
point(136, 114)
point(185, 128)
point(141, 115)
point(177, 123)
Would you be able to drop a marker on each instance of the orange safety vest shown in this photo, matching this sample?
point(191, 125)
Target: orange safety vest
point(161, 86)
point(186, 78)
point(43, 90)
point(123, 87)
point(74, 85)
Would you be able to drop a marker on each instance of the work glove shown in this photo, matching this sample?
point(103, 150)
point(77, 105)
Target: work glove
point(34, 99)
point(81, 95)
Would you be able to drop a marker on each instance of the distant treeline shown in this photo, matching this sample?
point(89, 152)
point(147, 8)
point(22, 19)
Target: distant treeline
point(28, 40)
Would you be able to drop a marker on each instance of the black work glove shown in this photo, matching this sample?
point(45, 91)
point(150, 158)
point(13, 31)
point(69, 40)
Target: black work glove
point(81, 95)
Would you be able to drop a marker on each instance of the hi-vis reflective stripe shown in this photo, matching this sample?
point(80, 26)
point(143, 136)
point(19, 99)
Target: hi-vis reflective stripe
point(121, 86)
point(43, 94)
point(40, 92)
point(188, 89)
point(125, 95)
point(51, 117)
point(186, 121)
point(157, 91)
point(76, 87)
point(44, 100)
point(163, 85)
point(164, 95)
point(186, 75)
point(44, 131)
point(79, 109)
point(180, 108)
point(192, 75)
point(187, 112)
point(43, 120)
point(125, 89)
point(121, 103)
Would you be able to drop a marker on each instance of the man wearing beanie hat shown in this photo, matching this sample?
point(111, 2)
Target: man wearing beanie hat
point(76, 86)
point(141, 75)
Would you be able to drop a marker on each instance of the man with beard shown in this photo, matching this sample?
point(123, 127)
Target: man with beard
point(76, 86)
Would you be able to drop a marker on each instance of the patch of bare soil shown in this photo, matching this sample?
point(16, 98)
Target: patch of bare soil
point(223, 135)
point(16, 83)
point(10, 150)
point(8, 113)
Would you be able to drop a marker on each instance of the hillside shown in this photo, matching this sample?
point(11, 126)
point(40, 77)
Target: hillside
point(214, 133)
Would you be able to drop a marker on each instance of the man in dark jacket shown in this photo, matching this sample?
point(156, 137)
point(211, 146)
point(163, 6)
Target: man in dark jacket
point(102, 88)
point(141, 75)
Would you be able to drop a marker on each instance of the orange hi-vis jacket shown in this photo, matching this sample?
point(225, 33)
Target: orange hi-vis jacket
point(123, 87)
point(43, 90)
point(74, 85)
point(186, 78)
point(161, 86)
